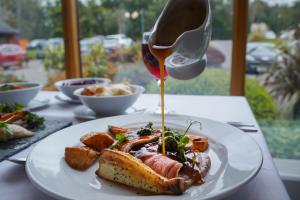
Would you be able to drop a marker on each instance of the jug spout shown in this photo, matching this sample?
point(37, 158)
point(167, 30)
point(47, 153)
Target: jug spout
point(185, 26)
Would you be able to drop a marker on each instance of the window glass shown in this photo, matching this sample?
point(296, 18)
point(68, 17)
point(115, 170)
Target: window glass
point(273, 73)
point(31, 32)
point(120, 25)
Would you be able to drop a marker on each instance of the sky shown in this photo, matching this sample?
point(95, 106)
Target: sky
point(272, 2)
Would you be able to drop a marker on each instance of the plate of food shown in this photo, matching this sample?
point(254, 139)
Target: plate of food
point(19, 128)
point(121, 158)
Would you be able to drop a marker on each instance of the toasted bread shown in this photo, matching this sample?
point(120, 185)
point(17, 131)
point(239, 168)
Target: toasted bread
point(121, 167)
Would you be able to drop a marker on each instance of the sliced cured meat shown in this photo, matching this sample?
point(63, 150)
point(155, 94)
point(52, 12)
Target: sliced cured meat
point(124, 168)
point(135, 140)
point(163, 165)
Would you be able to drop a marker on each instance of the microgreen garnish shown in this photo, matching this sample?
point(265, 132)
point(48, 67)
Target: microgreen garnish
point(147, 130)
point(191, 123)
point(121, 138)
point(176, 142)
point(194, 161)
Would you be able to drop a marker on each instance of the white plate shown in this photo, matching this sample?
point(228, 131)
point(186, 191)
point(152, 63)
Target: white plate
point(235, 158)
point(83, 112)
point(37, 104)
point(65, 99)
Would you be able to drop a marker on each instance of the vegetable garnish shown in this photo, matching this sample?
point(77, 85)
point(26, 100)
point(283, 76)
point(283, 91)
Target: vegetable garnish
point(33, 121)
point(147, 130)
point(7, 87)
point(176, 141)
point(10, 107)
point(6, 130)
point(191, 123)
point(121, 138)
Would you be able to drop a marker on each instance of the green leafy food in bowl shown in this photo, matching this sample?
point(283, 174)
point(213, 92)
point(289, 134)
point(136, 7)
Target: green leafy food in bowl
point(7, 87)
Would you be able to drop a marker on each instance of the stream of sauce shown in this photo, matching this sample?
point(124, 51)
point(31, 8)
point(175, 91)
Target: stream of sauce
point(161, 53)
point(179, 16)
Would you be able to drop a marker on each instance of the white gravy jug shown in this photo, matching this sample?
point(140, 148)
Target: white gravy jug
point(185, 26)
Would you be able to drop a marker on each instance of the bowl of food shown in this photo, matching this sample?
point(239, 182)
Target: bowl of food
point(109, 100)
point(20, 92)
point(67, 87)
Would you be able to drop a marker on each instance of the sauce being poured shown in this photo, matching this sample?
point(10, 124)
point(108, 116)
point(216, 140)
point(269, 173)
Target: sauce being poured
point(161, 53)
point(178, 17)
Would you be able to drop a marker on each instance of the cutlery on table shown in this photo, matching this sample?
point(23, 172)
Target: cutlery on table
point(244, 126)
point(20, 160)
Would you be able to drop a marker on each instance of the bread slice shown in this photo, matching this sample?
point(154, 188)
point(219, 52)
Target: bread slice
point(121, 167)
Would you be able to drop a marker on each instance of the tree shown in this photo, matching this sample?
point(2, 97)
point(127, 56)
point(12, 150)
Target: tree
point(33, 18)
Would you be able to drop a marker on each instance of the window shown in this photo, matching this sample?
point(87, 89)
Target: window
point(31, 42)
point(112, 30)
point(273, 73)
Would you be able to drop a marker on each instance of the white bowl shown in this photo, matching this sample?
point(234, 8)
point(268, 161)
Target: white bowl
point(110, 105)
point(20, 96)
point(68, 90)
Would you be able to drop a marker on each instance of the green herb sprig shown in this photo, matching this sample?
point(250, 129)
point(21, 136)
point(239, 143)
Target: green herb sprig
point(147, 130)
point(121, 138)
point(33, 121)
point(176, 142)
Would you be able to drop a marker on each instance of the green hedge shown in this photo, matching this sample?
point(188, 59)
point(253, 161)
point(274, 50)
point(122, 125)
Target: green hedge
point(261, 102)
point(213, 81)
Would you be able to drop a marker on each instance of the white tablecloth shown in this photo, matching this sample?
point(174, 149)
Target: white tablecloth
point(267, 185)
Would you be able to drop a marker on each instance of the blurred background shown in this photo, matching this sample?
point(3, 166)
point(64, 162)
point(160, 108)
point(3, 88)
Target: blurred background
point(31, 49)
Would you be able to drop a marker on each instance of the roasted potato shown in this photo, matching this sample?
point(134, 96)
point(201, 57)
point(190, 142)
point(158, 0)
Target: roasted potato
point(80, 158)
point(117, 130)
point(97, 140)
point(197, 143)
point(200, 144)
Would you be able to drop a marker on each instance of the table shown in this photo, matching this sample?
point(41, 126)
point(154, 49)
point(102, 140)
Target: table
point(15, 185)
